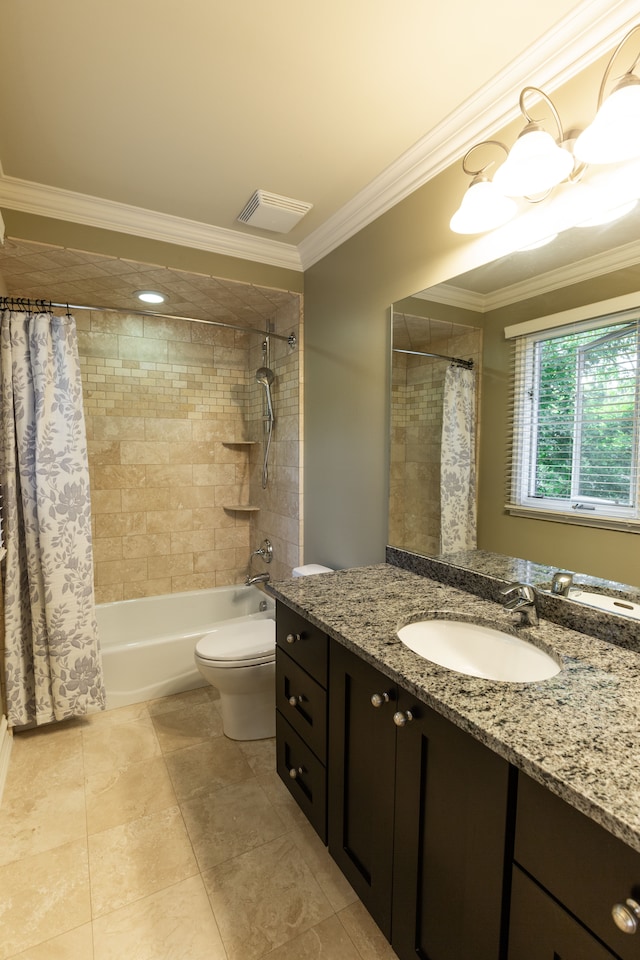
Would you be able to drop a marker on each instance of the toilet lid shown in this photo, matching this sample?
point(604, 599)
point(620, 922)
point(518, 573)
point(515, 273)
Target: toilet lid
point(247, 641)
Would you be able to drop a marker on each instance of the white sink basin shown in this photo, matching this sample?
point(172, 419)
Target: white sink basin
point(478, 651)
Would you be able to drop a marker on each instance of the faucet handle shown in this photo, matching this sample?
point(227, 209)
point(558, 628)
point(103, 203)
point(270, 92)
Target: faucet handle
point(523, 590)
point(561, 583)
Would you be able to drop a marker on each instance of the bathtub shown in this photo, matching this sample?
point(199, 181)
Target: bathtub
point(147, 644)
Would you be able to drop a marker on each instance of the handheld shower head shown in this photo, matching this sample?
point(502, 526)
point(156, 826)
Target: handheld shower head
point(265, 376)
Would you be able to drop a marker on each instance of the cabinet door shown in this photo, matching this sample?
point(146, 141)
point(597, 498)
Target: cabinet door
point(451, 841)
point(578, 862)
point(361, 780)
point(303, 775)
point(303, 703)
point(303, 642)
point(542, 930)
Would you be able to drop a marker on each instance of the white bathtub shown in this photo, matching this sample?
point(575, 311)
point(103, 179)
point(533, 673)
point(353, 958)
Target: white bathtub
point(147, 644)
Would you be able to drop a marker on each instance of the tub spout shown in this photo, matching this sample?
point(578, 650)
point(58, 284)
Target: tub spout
point(259, 578)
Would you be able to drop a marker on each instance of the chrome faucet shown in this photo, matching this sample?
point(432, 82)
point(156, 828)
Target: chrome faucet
point(265, 550)
point(561, 583)
point(259, 578)
point(521, 598)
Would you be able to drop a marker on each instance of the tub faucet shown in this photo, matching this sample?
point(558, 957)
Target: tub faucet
point(520, 598)
point(259, 578)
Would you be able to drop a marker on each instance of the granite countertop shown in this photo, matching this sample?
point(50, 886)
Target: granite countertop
point(576, 733)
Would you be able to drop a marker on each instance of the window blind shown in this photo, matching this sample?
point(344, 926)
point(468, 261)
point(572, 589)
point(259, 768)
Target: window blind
point(574, 421)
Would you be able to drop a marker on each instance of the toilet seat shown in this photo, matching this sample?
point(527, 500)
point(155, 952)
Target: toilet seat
point(239, 644)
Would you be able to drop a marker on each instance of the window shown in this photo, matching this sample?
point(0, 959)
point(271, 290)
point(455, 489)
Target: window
point(575, 422)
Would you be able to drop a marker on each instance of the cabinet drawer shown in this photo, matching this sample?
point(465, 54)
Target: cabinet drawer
point(303, 642)
point(578, 862)
point(303, 775)
point(541, 930)
point(303, 702)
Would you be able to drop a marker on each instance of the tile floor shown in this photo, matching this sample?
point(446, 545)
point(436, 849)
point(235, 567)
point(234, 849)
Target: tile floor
point(143, 833)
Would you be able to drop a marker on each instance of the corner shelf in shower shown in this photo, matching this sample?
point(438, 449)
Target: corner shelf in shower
point(239, 443)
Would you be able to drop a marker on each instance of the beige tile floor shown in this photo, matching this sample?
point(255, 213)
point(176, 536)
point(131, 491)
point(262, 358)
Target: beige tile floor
point(144, 833)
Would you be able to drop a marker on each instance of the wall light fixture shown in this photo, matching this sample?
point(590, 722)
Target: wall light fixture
point(537, 161)
point(614, 134)
point(542, 164)
point(483, 206)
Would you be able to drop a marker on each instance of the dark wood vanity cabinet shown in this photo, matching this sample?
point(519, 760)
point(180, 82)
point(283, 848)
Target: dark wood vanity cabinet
point(569, 873)
point(455, 854)
point(301, 713)
point(418, 818)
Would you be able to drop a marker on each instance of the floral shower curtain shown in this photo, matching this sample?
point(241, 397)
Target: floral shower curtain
point(52, 664)
point(458, 461)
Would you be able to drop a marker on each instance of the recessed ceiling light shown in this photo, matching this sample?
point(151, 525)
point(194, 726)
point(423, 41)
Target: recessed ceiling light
point(150, 296)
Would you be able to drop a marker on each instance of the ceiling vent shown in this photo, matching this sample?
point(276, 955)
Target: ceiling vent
point(272, 212)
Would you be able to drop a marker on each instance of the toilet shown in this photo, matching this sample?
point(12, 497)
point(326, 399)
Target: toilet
point(239, 659)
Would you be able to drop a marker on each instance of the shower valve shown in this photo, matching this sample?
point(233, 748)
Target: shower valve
point(265, 551)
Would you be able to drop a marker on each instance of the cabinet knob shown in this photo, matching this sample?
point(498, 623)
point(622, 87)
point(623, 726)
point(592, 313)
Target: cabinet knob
point(294, 701)
point(294, 774)
point(292, 637)
point(626, 915)
point(402, 719)
point(377, 699)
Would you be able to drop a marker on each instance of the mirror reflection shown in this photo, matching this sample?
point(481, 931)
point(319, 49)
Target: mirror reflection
point(579, 267)
point(419, 378)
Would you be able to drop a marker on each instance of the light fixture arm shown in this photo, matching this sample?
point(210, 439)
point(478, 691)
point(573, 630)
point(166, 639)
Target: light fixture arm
point(483, 169)
point(607, 72)
point(549, 102)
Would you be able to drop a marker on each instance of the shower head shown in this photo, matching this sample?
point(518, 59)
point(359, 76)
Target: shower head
point(265, 376)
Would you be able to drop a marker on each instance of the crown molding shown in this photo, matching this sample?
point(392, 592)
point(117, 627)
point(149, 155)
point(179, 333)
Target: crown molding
point(454, 296)
point(578, 40)
point(45, 201)
point(589, 268)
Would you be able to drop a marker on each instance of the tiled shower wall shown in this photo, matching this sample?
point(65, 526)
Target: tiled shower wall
point(280, 516)
point(416, 429)
point(167, 404)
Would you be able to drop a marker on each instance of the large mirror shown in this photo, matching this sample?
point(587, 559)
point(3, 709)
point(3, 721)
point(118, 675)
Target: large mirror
point(581, 266)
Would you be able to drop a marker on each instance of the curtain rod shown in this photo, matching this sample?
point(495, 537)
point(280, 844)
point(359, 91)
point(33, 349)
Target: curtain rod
point(438, 356)
point(21, 303)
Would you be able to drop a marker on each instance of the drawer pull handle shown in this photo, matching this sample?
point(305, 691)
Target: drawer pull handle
point(377, 699)
point(402, 719)
point(626, 915)
point(294, 774)
point(292, 637)
point(294, 701)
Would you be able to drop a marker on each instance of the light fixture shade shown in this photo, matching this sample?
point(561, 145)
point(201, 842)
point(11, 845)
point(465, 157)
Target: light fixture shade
point(535, 164)
point(614, 134)
point(483, 208)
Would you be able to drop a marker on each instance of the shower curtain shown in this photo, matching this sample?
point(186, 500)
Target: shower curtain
point(458, 461)
point(52, 660)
